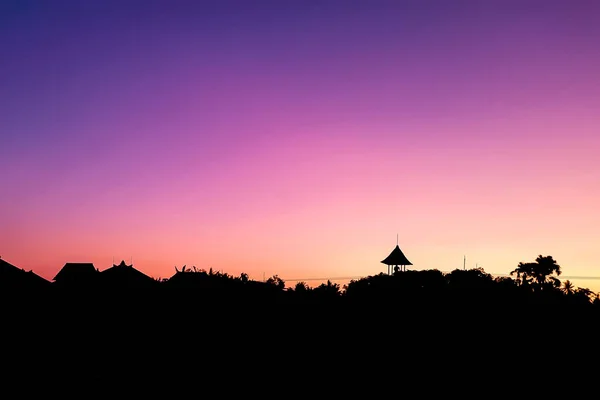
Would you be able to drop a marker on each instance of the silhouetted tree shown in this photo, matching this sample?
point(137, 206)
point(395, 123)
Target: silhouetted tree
point(327, 290)
point(596, 299)
point(568, 288)
point(301, 287)
point(583, 295)
point(277, 282)
point(539, 274)
point(475, 278)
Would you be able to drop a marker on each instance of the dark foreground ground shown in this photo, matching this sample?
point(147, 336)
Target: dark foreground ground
point(177, 345)
point(164, 322)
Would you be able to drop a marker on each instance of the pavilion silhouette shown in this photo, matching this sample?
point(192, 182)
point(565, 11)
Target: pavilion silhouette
point(397, 260)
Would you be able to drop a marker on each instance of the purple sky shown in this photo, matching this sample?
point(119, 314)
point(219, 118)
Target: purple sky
point(299, 139)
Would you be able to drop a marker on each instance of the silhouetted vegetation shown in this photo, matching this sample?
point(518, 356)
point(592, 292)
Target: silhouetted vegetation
point(211, 317)
point(534, 283)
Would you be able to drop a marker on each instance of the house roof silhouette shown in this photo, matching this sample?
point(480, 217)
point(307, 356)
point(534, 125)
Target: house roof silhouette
point(76, 272)
point(12, 276)
point(125, 275)
point(396, 257)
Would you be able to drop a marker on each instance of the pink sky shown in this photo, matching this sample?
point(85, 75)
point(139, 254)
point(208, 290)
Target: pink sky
point(300, 141)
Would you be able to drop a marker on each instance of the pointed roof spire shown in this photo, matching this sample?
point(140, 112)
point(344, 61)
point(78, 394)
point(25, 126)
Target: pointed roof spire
point(122, 264)
point(396, 257)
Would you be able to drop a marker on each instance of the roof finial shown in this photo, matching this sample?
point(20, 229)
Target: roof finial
point(396, 239)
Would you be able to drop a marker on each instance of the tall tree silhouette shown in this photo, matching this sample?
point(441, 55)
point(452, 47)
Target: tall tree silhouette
point(543, 273)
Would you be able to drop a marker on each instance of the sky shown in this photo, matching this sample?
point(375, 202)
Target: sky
point(300, 138)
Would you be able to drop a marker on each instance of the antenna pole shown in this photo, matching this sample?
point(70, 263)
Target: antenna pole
point(396, 239)
point(465, 262)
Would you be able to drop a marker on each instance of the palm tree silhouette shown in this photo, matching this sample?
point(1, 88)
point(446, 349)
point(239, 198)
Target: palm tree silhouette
point(568, 288)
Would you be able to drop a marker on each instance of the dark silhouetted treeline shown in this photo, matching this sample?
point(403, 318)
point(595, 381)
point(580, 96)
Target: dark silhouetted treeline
point(208, 320)
point(531, 284)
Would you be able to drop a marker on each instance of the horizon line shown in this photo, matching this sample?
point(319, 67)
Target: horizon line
point(364, 276)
